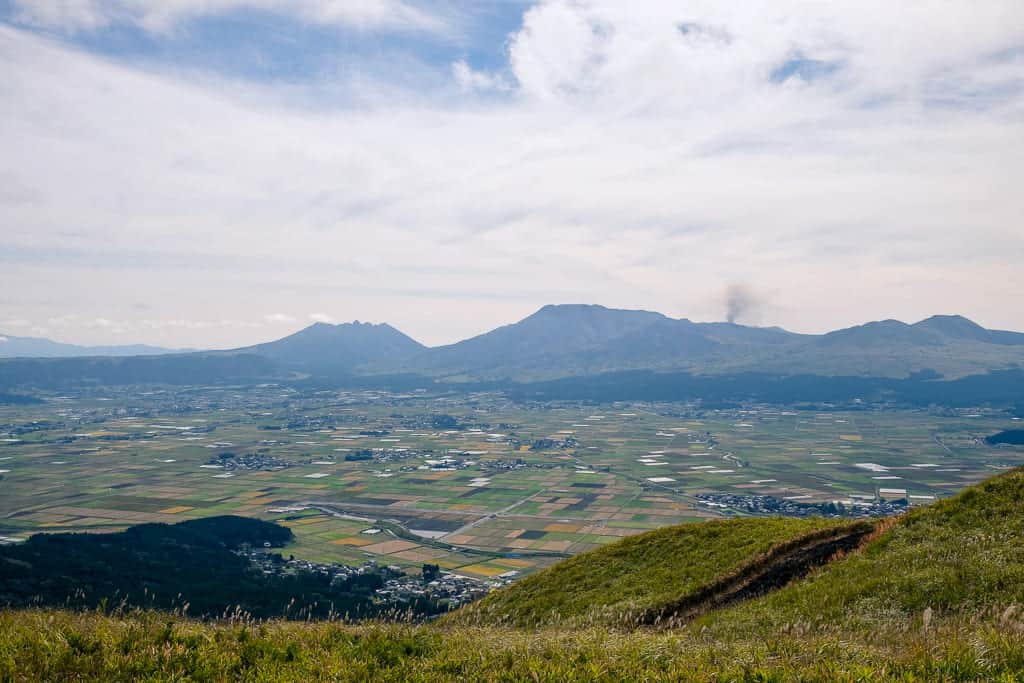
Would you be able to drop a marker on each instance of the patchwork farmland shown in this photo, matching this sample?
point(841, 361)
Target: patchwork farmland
point(476, 484)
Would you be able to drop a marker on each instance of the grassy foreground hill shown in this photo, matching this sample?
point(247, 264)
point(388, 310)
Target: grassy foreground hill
point(642, 575)
point(932, 596)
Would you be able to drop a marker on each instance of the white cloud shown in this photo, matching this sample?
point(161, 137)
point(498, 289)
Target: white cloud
point(320, 317)
point(165, 15)
point(278, 318)
point(694, 53)
point(642, 158)
point(3, 339)
point(470, 80)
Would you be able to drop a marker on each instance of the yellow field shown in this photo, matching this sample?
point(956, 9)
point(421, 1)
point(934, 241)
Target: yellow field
point(510, 562)
point(483, 569)
point(353, 540)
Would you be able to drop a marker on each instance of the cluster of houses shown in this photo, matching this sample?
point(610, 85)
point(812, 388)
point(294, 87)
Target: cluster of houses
point(448, 590)
point(770, 505)
point(398, 589)
point(517, 464)
point(257, 461)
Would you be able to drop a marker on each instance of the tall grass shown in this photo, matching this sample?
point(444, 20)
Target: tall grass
point(46, 645)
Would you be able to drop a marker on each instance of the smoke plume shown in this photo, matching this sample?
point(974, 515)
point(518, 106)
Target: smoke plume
point(741, 304)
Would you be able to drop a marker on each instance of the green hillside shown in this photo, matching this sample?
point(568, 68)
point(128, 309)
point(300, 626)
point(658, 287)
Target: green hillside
point(932, 596)
point(619, 583)
point(963, 555)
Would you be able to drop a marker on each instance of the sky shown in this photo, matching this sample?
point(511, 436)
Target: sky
point(215, 173)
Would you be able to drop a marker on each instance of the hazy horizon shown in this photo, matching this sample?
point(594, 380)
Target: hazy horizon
point(218, 174)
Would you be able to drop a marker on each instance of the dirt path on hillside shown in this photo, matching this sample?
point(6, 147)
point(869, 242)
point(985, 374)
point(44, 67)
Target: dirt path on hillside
point(782, 564)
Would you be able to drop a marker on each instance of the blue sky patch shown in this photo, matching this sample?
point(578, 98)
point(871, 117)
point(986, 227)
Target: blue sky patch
point(270, 46)
point(804, 68)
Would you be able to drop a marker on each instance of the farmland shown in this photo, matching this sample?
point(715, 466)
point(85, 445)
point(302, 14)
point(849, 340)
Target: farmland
point(477, 484)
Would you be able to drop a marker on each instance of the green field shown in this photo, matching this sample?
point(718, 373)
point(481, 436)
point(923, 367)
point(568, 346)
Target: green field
point(505, 490)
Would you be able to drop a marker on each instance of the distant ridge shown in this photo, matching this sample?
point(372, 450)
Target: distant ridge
point(957, 326)
point(575, 340)
point(550, 334)
point(565, 341)
point(342, 347)
point(38, 347)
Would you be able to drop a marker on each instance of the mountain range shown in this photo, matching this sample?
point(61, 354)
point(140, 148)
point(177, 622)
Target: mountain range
point(572, 340)
point(39, 347)
point(565, 341)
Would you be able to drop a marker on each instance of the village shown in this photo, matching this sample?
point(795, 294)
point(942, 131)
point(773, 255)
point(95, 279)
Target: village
point(434, 587)
point(771, 505)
